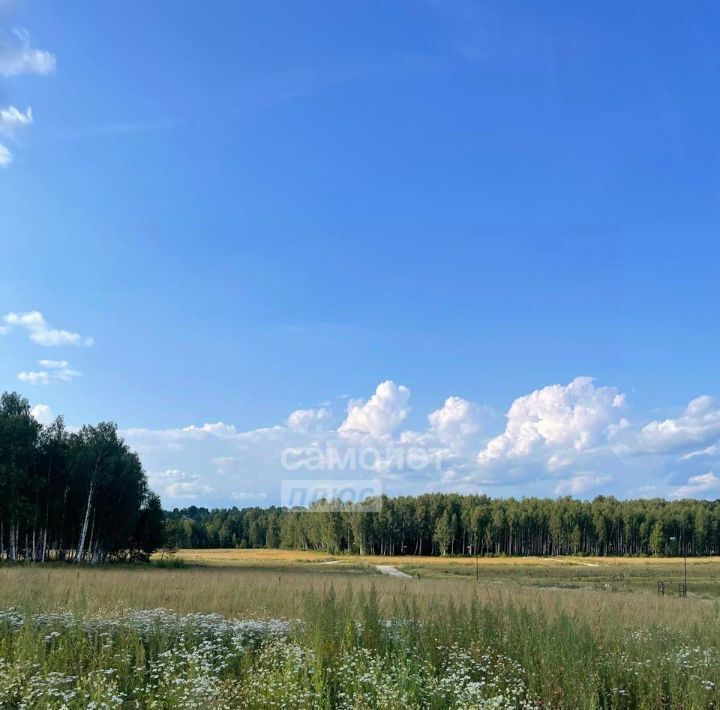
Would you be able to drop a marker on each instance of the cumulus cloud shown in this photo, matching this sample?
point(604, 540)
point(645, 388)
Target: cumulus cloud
point(561, 439)
point(217, 429)
point(381, 414)
point(219, 439)
point(552, 426)
point(185, 489)
point(456, 422)
point(55, 371)
point(18, 56)
point(41, 333)
point(42, 413)
point(5, 159)
point(168, 475)
point(704, 485)
point(176, 483)
point(232, 461)
point(579, 484)
point(698, 426)
point(309, 420)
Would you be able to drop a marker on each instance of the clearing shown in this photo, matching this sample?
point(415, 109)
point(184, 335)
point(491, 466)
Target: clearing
point(599, 573)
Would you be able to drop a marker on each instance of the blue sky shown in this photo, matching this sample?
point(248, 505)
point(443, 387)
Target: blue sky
point(258, 208)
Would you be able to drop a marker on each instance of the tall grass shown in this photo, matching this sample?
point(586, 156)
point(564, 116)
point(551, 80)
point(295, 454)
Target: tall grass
point(346, 641)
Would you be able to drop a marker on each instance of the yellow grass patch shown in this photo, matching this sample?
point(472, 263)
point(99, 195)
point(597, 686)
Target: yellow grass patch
point(262, 556)
point(616, 574)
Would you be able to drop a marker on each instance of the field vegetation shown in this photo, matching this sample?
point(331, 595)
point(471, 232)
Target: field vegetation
point(277, 633)
point(599, 573)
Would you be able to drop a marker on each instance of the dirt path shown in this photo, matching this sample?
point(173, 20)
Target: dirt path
point(392, 571)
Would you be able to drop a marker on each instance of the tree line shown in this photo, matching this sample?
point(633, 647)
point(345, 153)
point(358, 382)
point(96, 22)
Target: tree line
point(451, 524)
point(78, 496)
point(83, 496)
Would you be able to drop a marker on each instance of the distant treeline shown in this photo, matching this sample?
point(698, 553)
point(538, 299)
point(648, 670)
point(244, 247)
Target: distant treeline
point(80, 496)
point(442, 524)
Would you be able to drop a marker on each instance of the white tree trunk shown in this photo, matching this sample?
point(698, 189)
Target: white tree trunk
point(83, 534)
point(13, 543)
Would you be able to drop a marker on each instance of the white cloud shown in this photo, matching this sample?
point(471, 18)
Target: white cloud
point(34, 378)
point(646, 491)
point(54, 364)
point(42, 413)
point(698, 426)
point(216, 429)
point(18, 56)
point(561, 439)
point(184, 489)
point(308, 420)
point(244, 496)
point(455, 422)
point(12, 118)
point(176, 483)
point(41, 333)
point(582, 483)
point(220, 439)
point(225, 465)
point(229, 460)
point(168, 475)
point(56, 371)
point(381, 414)
point(707, 451)
point(554, 425)
point(5, 160)
point(699, 486)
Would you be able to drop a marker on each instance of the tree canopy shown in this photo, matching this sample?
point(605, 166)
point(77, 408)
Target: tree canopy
point(80, 496)
point(440, 524)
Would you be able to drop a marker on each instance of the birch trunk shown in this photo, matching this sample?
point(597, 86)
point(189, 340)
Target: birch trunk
point(83, 534)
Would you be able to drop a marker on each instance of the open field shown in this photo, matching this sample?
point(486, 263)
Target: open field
point(274, 632)
point(601, 573)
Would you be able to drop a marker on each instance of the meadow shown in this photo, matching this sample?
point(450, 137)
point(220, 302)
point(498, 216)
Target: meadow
point(570, 572)
point(261, 629)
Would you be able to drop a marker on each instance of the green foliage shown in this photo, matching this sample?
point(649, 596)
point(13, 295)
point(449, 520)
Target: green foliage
point(657, 538)
point(349, 651)
point(170, 563)
point(71, 496)
point(438, 524)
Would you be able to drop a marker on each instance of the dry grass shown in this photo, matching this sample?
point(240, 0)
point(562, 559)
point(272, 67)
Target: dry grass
point(601, 573)
point(250, 557)
point(263, 556)
point(257, 592)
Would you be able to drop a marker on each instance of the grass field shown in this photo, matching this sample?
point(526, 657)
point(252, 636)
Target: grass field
point(600, 573)
point(260, 629)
